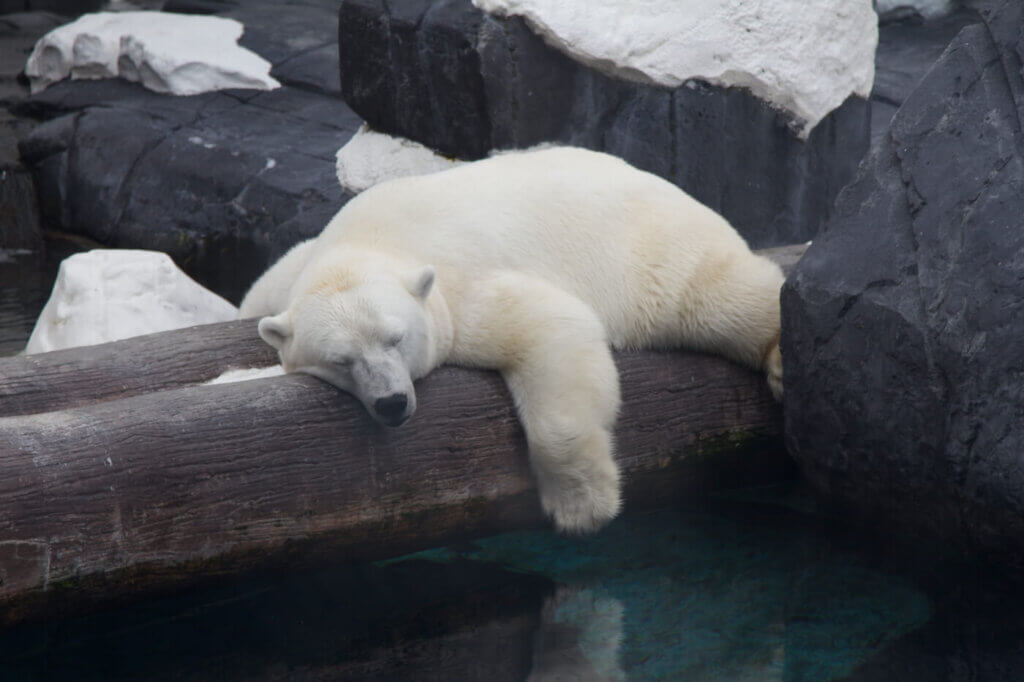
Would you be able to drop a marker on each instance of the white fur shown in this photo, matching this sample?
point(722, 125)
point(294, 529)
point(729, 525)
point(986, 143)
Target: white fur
point(541, 260)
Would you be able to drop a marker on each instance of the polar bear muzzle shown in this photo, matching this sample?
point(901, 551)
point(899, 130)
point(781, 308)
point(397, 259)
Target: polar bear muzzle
point(392, 410)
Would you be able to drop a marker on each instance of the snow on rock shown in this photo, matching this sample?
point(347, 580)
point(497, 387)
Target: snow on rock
point(805, 57)
point(233, 375)
point(172, 53)
point(105, 295)
point(371, 157)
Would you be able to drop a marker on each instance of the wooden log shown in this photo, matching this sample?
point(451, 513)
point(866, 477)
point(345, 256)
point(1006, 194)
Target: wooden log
point(144, 364)
point(156, 362)
point(169, 488)
point(113, 498)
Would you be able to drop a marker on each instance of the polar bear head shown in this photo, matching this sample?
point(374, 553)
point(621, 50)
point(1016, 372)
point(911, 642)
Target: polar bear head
point(368, 334)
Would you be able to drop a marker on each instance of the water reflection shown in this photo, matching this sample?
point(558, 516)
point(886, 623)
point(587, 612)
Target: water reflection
point(578, 638)
point(736, 591)
point(415, 621)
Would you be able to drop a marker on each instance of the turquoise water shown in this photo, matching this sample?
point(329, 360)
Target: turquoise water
point(749, 587)
point(735, 592)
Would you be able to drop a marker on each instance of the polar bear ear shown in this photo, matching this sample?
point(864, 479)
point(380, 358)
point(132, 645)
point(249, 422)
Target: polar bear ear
point(276, 330)
point(420, 282)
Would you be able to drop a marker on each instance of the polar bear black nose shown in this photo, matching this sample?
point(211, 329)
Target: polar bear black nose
point(392, 408)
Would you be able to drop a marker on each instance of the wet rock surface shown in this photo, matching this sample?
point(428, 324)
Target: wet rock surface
point(902, 323)
point(224, 182)
point(463, 82)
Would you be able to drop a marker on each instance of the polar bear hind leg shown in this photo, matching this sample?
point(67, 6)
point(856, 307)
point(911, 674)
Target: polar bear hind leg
point(552, 351)
point(734, 311)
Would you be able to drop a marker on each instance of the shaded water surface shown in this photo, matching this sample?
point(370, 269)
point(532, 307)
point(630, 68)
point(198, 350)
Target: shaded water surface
point(746, 588)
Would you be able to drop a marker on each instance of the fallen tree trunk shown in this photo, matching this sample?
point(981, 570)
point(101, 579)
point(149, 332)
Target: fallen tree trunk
point(169, 488)
point(115, 498)
point(144, 364)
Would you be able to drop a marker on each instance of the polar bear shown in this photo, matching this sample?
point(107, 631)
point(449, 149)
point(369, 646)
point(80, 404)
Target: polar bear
point(532, 264)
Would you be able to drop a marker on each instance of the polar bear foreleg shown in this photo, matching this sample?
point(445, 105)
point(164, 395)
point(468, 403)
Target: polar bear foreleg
point(552, 351)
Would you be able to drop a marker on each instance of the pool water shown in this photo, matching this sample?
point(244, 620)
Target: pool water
point(737, 588)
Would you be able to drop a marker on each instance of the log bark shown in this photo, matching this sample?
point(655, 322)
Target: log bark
point(144, 364)
point(168, 488)
point(119, 497)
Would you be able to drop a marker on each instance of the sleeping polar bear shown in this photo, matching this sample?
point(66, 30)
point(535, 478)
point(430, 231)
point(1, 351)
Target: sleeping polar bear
point(533, 264)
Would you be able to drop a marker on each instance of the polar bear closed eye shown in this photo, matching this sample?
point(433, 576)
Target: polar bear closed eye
point(534, 264)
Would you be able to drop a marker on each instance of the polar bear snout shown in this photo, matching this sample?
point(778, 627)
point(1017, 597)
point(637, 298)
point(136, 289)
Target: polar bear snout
point(392, 410)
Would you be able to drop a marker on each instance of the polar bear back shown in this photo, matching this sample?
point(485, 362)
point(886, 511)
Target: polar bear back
point(625, 241)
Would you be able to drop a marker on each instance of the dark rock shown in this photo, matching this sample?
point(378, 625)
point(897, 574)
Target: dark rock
point(224, 186)
point(224, 182)
point(200, 6)
point(67, 8)
point(315, 69)
point(969, 637)
point(902, 324)
point(18, 35)
point(19, 212)
point(906, 50)
point(463, 82)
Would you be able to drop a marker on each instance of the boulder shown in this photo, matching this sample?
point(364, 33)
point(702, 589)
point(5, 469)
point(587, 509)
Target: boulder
point(165, 51)
point(224, 182)
point(108, 295)
point(907, 47)
point(902, 323)
point(805, 58)
point(464, 82)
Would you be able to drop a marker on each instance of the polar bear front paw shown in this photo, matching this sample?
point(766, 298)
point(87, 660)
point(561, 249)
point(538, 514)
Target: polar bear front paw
point(581, 501)
point(582, 510)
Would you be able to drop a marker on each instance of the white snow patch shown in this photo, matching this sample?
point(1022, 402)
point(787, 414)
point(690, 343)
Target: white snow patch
point(371, 157)
point(928, 9)
point(180, 54)
point(233, 375)
point(803, 56)
point(105, 295)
